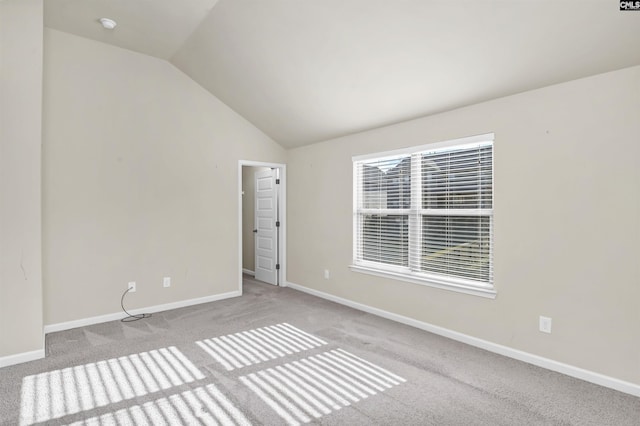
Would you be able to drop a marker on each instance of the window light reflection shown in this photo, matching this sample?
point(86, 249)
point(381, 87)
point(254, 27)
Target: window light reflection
point(304, 390)
point(58, 393)
point(259, 345)
point(204, 405)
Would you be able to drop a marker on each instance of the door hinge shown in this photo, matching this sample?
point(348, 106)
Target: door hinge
point(277, 224)
point(277, 181)
point(277, 266)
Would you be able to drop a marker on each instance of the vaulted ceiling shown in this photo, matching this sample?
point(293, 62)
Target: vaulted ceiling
point(304, 71)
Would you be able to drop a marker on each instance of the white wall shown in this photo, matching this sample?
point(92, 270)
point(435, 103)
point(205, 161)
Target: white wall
point(140, 181)
point(139, 169)
point(567, 214)
point(20, 155)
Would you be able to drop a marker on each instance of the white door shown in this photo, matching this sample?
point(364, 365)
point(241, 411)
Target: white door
point(266, 232)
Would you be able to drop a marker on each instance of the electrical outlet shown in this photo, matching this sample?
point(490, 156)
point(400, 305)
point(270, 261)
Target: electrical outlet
point(166, 282)
point(131, 286)
point(545, 324)
point(326, 274)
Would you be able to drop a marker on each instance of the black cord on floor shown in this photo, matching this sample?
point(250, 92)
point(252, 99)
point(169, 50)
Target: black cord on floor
point(131, 318)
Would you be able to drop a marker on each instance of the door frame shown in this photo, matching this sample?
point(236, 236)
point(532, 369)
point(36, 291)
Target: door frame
point(282, 207)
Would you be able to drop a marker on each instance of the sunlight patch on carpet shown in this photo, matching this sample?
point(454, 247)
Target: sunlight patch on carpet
point(258, 345)
point(202, 406)
point(304, 390)
point(58, 393)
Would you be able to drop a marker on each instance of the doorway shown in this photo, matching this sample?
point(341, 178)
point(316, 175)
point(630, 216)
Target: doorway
point(262, 217)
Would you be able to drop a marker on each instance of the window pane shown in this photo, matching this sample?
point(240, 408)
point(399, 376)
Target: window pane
point(458, 179)
point(457, 246)
point(386, 184)
point(385, 239)
point(444, 235)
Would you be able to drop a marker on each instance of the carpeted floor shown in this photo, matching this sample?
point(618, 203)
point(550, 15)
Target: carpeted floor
point(276, 356)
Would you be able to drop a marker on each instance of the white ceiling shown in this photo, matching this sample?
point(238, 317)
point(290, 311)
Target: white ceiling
point(155, 27)
point(304, 71)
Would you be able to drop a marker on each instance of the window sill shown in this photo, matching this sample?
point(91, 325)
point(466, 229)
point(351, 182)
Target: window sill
point(441, 284)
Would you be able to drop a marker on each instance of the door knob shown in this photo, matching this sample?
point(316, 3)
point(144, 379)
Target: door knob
point(255, 231)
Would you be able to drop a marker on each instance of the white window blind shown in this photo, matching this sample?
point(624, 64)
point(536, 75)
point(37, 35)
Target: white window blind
point(427, 213)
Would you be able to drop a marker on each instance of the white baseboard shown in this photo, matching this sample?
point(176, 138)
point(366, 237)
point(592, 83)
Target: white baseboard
point(51, 328)
point(20, 358)
point(248, 272)
point(549, 364)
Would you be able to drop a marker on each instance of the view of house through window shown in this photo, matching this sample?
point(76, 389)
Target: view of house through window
point(426, 213)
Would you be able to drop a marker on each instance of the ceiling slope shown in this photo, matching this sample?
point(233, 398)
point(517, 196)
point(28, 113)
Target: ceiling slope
point(305, 71)
point(154, 27)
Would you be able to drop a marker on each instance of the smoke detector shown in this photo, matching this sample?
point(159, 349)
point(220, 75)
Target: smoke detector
point(107, 23)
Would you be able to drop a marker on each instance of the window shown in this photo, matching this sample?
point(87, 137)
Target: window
point(425, 214)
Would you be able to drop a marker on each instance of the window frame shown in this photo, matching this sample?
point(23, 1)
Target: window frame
point(411, 272)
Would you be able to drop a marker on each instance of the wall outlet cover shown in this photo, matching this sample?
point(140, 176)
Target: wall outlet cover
point(545, 324)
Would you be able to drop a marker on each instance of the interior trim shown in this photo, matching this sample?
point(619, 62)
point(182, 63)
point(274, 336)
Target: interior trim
point(51, 328)
point(549, 364)
point(489, 293)
point(20, 358)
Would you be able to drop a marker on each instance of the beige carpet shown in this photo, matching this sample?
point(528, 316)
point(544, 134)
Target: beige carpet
point(276, 356)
